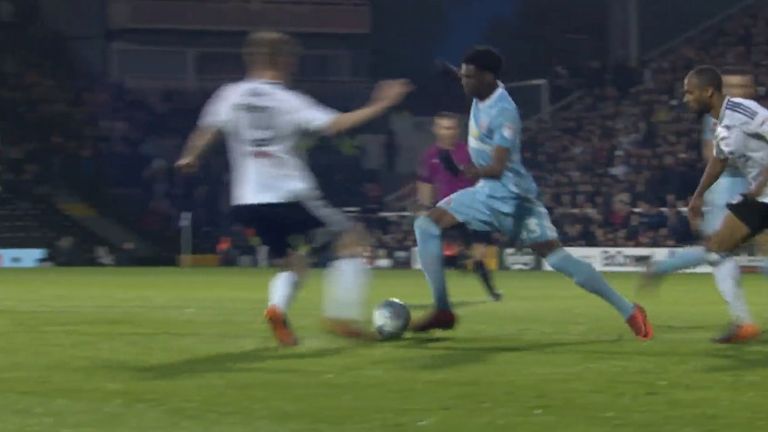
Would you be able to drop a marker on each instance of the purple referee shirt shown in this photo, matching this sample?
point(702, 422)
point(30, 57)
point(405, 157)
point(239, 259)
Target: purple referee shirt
point(431, 170)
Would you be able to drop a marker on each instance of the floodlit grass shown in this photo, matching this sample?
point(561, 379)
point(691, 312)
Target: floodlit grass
point(187, 350)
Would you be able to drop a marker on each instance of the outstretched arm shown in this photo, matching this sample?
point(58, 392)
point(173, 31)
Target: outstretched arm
point(199, 141)
point(385, 95)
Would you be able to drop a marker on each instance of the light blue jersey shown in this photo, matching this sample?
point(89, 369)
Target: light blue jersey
point(509, 204)
point(728, 187)
point(496, 122)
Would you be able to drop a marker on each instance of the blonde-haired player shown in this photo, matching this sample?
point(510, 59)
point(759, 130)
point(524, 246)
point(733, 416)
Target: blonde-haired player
point(272, 190)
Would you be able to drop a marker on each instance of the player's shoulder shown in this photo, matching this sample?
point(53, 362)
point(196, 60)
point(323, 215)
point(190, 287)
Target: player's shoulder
point(225, 91)
point(505, 102)
point(505, 108)
point(741, 111)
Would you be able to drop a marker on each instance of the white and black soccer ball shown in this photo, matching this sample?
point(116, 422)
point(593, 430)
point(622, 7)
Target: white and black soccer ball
point(391, 318)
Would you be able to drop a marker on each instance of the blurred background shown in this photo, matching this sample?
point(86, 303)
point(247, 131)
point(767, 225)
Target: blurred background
point(97, 97)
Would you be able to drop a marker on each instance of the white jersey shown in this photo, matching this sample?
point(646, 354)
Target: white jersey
point(742, 138)
point(262, 122)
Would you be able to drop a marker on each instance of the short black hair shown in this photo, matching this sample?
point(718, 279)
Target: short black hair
point(485, 58)
point(708, 76)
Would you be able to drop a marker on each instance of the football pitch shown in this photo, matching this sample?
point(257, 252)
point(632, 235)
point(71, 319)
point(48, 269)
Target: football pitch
point(187, 350)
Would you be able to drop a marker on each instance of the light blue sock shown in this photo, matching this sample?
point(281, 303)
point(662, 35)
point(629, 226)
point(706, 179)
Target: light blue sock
point(585, 276)
point(686, 258)
point(430, 248)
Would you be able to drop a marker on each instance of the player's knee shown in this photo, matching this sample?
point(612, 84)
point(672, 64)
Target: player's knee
point(424, 225)
point(716, 244)
point(545, 249)
point(292, 262)
point(353, 242)
point(715, 257)
point(441, 217)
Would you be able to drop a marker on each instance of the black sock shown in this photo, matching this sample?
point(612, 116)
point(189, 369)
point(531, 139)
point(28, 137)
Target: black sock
point(479, 268)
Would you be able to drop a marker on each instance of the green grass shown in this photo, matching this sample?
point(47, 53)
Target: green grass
point(186, 350)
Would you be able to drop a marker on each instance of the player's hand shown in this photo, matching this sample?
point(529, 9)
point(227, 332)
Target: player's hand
point(694, 210)
point(391, 92)
point(186, 164)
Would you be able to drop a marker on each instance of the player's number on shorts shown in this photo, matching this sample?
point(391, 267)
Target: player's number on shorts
point(533, 229)
point(256, 124)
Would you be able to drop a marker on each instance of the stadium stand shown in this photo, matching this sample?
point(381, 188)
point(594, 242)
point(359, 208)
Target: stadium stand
point(625, 153)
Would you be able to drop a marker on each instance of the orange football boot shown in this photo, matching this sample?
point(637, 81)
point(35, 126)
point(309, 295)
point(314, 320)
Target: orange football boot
point(639, 323)
point(739, 333)
point(279, 323)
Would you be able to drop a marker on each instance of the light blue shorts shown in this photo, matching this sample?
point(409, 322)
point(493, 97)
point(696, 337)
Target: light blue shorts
point(525, 220)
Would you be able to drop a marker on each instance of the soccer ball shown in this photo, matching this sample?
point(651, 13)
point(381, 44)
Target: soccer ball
point(391, 319)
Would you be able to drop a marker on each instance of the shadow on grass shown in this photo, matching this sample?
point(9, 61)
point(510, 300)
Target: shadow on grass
point(675, 327)
point(447, 355)
point(741, 357)
point(237, 360)
point(456, 305)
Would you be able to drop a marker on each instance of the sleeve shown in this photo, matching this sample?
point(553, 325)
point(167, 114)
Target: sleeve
point(214, 114)
point(507, 131)
point(759, 125)
point(310, 115)
point(724, 138)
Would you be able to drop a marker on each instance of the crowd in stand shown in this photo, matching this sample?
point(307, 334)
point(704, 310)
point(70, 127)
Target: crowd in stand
point(613, 167)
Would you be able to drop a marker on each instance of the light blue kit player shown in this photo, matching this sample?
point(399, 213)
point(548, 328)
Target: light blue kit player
point(504, 200)
point(728, 188)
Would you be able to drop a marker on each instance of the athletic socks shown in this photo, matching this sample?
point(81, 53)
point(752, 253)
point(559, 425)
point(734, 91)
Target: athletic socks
point(430, 251)
point(585, 276)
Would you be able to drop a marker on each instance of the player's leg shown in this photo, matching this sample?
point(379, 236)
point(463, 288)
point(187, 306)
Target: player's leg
point(461, 207)
point(715, 201)
point(536, 230)
point(347, 277)
point(477, 251)
point(727, 274)
point(739, 224)
point(744, 220)
point(428, 229)
point(282, 290)
point(727, 278)
point(760, 243)
point(268, 220)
